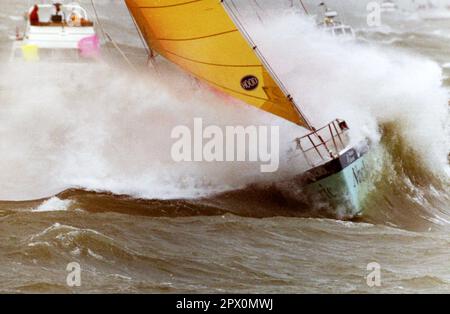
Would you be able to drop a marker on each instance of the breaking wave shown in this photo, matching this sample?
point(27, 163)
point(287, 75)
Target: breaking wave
point(104, 128)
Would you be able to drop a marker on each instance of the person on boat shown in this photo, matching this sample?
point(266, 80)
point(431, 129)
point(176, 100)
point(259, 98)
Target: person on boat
point(57, 15)
point(343, 125)
point(34, 15)
point(74, 19)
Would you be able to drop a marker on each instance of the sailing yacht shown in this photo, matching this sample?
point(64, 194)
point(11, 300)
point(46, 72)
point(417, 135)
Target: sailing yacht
point(207, 39)
point(333, 26)
point(56, 32)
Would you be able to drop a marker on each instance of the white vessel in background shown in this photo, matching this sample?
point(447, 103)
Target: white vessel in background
point(427, 10)
point(55, 32)
point(333, 26)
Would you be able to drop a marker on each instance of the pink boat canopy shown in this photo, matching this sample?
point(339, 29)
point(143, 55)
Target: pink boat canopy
point(89, 47)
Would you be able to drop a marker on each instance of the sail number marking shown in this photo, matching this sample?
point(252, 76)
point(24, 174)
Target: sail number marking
point(249, 82)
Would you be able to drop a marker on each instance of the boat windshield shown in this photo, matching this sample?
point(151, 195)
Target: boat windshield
point(46, 11)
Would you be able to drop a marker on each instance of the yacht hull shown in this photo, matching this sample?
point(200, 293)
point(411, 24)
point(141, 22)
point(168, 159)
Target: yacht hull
point(341, 184)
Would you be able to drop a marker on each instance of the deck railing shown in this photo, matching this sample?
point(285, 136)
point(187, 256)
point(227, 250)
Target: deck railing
point(325, 143)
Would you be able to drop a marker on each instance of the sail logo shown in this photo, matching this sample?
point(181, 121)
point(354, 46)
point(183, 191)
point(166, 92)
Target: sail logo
point(227, 144)
point(249, 82)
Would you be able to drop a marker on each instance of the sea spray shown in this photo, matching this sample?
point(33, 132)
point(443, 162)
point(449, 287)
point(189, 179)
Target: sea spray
point(102, 128)
point(367, 85)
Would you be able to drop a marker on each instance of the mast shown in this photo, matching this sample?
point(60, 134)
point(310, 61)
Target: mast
point(263, 60)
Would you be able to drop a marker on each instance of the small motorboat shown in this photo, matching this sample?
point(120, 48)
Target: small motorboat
point(333, 26)
point(56, 32)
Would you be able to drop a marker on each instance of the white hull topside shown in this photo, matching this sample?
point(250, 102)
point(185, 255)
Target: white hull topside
point(57, 37)
point(49, 35)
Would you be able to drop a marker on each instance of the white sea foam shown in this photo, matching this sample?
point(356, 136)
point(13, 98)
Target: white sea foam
point(104, 129)
point(16, 18)
point(53, 204)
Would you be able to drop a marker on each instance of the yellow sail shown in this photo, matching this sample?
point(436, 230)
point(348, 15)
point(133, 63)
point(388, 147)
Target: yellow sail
point(200, 37)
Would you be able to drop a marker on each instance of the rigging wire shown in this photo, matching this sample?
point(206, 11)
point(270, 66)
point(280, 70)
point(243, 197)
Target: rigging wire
point(258, 7)
point(264, 60)
point(148, 49)
point(235, 7)
point(304, 7)
point(257, 4)
point(97, 19)
point(124, 56)
point(108, 37)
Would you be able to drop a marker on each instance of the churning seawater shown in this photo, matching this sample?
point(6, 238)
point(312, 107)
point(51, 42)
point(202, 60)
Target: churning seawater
point(86, 174)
